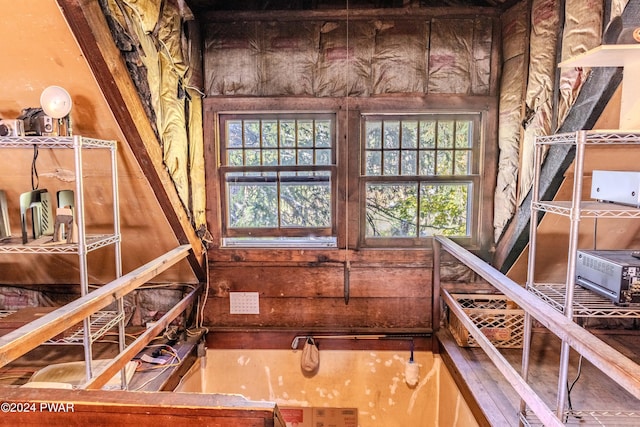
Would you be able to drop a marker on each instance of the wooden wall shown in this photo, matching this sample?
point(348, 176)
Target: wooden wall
point(303, 291)
point(388, 290)
point(40, 50)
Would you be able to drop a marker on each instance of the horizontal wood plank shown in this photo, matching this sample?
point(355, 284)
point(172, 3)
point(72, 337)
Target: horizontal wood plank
point(100, 408)
point(26, 338)
point(355, 340)
point(327, 282)
point(382, 313)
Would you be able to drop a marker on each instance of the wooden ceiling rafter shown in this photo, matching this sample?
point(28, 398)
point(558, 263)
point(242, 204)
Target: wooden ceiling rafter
point(205, 6)
point(89, 26)
point(352, 14)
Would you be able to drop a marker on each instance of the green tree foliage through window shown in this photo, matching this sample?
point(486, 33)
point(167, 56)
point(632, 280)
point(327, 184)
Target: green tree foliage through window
point(278, 172)
point(418, 173)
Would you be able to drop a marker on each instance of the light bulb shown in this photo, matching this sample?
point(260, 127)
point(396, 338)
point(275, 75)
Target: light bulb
point(411, 373)
point(55, 102)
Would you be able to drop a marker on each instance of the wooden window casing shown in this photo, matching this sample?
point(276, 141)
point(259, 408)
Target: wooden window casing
point(281, 154)
point(409, 159)
point(347, 179)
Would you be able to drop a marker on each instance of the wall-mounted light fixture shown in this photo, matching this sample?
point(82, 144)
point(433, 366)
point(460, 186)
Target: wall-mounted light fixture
point(56, 103)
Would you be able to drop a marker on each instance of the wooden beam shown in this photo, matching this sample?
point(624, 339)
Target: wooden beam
point(89, 26)
point(610, 361)
point(115, 407)
point(525, 391)
point(28, 337)
point(477, 395)
point(117, 363)
point(353, 340)
point(350, 14)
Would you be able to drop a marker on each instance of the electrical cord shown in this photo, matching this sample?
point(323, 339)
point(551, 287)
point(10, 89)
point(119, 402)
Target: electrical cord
point(570, 387)
point(35, 181)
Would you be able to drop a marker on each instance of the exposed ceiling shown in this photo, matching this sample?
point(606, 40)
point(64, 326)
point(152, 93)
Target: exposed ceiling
point(203, 6)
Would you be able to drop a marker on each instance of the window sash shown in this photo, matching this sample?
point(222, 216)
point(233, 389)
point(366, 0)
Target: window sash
point(393, 158)
point(291, 165)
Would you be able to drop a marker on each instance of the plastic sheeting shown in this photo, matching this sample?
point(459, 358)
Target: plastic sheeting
point(360, 58)
point(166, 52)
point(515, 27)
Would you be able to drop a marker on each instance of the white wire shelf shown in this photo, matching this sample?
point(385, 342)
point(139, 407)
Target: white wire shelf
point(588, 209)
point(54, 142)
point(592, 137)
point(585, 302)
point(587, 418)
point(101, 322)
point(42, 245)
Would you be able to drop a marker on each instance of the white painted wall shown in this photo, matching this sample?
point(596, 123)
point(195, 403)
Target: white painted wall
point(371, 381)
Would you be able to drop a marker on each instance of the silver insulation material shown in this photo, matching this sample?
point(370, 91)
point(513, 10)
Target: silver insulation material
point(12, 298)
point(617, 7)
point(344, 63)
point(582, 32)
point(360, 58)
point(545, 26)
point(399, 58)
point(514, 47)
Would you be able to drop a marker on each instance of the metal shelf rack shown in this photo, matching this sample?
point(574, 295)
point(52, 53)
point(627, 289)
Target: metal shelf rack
point(97, 324)
point(572, 300)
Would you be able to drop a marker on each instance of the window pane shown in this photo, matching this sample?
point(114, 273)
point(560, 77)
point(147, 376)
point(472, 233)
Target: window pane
point(463, 134)
point(305, 157)
point(427, 134)
point(445, 134)
point(252, 201)
point(422, 150)
point(444, 209)
point(391, 210)
point(287, 157)
point(270, 157)
point(409, 134)
point(306, 199)
point(234, 133)
point(427, 163)
point(409, 162)
point(234, 157)
point(374, 134)
point(323, 133)
point(287, 133)
point(305, 133)
point(391, 163)
point(252, 157)
point(269, 133)
point(445, 163)
point(391, 134)
point(323, 157)
point(373, 163)
point(251, 133)
point(463, 163)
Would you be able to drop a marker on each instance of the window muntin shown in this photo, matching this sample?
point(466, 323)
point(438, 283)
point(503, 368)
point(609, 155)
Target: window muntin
point(420, 176)
point(278, 174)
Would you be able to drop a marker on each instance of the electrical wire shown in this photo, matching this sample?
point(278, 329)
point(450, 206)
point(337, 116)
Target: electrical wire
point(570, 387)
point(163, 368)
point(35, 180)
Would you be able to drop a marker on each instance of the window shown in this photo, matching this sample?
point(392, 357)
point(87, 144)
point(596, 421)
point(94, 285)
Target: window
point(420, 177)
point(278, 173)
